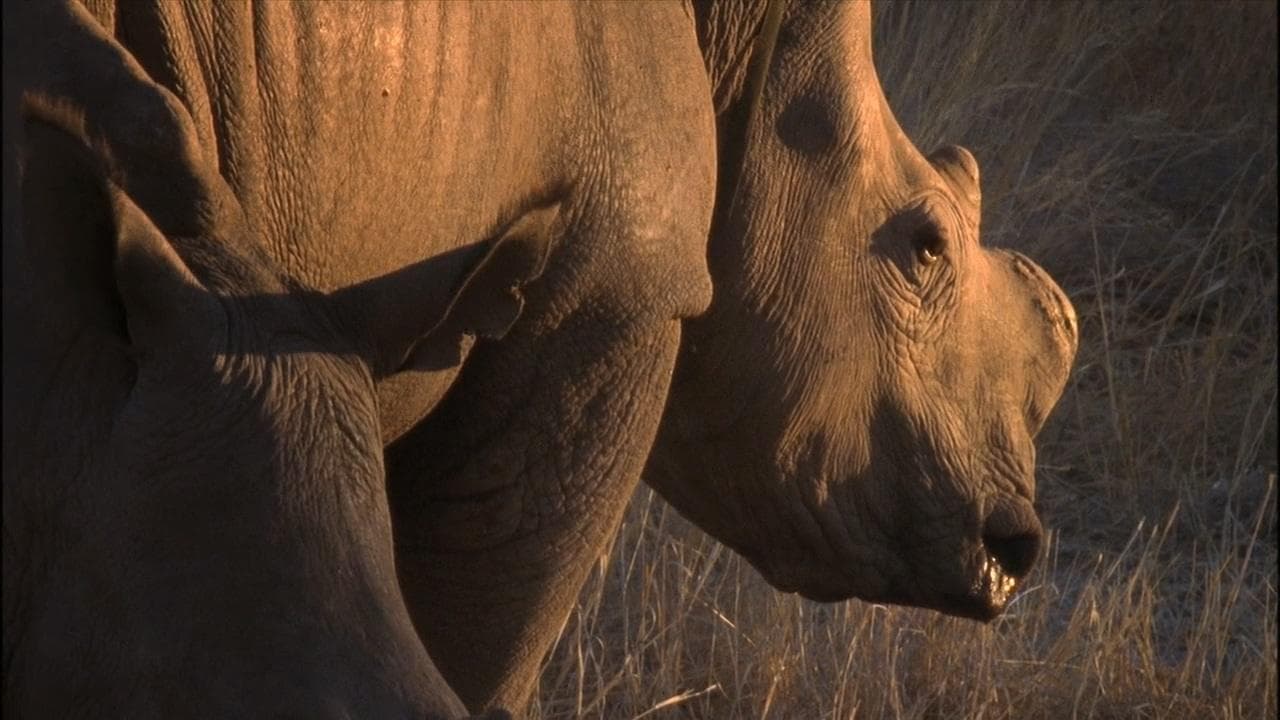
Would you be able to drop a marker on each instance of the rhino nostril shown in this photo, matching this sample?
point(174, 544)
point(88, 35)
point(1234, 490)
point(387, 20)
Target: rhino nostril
point(1011, 536)
point(1015, 554)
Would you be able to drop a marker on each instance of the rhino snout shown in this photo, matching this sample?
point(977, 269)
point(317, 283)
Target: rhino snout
point(1011, 537)
point(1011, 541)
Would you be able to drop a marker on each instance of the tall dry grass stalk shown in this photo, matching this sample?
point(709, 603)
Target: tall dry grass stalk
point(1131, 148)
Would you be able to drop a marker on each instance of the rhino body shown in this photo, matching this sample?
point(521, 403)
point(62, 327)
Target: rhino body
point(337, 337)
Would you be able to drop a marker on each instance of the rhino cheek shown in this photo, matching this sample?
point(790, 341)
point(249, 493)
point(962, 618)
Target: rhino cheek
point(824, 549)
point(837, 499)
point(919, 466)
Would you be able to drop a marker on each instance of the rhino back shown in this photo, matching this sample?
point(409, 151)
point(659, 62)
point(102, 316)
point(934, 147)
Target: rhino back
point(360, 139)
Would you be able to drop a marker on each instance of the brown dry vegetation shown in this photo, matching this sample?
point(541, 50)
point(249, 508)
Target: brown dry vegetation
point(1131, 148)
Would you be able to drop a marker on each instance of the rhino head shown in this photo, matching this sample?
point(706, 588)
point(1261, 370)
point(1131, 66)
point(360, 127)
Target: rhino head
point(855, 412)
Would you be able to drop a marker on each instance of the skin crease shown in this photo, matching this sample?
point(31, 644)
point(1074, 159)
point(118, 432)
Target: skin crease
point(340, 280)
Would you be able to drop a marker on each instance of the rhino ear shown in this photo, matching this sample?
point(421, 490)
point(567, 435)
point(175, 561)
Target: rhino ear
point(96, 257)
point(423, 318)
point(164, 304)
point(489, 300)
point(958, 166)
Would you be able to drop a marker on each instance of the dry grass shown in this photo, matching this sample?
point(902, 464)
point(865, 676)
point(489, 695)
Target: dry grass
point(1132, 149)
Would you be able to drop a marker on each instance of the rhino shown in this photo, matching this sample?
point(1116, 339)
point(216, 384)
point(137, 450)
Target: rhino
point(338, 336)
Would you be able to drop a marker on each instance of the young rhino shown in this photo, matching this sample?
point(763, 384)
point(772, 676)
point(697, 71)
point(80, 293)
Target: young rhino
point(195, 520)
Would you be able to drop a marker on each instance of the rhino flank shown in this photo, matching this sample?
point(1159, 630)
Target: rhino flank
point(337, 337)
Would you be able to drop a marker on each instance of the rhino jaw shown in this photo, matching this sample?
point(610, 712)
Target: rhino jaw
point(973, 575)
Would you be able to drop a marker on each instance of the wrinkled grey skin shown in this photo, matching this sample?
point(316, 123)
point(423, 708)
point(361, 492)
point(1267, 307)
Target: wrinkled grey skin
point(256, 276)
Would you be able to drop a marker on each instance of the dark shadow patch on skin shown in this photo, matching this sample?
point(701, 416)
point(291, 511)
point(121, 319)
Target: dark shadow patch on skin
point(887, 241)
point(806, 126)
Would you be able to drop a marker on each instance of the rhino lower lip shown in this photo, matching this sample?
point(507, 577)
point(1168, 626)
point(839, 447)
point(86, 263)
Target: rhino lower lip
point(984, 600)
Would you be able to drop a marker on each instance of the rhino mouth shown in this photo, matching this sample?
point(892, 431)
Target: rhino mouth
point(1002, 563)
point(978, 583)
point(987, 598)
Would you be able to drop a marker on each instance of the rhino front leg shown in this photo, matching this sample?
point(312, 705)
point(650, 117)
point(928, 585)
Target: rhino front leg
point(504, 496)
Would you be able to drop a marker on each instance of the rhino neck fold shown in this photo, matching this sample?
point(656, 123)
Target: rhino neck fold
point(739, 118)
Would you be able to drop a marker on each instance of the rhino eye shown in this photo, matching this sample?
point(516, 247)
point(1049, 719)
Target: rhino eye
point(929, 244)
